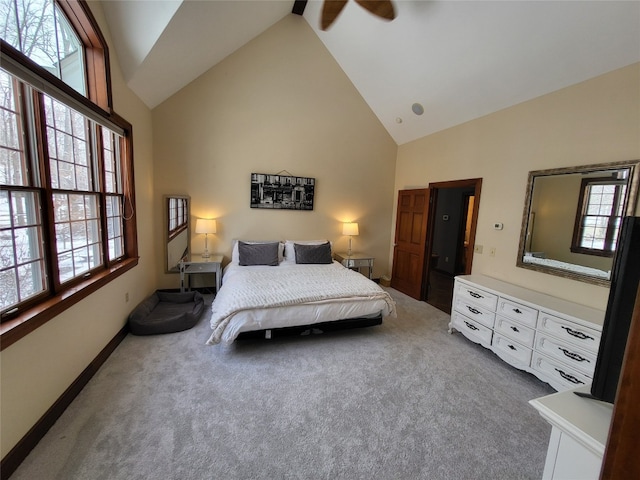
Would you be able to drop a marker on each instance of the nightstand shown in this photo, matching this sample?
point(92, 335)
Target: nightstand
point(356, 261)
point(200, 265)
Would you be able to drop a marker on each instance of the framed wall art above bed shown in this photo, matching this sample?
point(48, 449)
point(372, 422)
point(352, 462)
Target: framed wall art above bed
point(284, 192)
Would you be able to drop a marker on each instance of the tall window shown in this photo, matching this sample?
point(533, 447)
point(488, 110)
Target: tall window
point(599, 215)
point(22, 262)
point(66, 206)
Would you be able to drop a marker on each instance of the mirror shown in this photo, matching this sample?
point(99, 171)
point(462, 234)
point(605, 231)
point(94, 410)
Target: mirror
point(176, 230)
point(571, 219)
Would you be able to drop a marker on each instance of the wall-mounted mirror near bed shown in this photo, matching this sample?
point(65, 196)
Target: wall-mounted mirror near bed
point(176, 230)
point(571, 219)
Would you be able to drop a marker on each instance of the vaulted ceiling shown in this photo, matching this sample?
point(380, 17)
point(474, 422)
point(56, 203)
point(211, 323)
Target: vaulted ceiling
point(458, 60)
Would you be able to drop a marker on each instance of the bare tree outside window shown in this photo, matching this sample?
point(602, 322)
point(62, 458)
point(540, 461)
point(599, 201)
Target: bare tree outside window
point(40, 30)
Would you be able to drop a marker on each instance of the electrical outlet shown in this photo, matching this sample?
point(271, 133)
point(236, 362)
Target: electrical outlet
point(492, 252)
point(477, 248)
point(126, 297)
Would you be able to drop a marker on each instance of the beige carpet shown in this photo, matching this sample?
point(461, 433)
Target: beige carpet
point(403, 400)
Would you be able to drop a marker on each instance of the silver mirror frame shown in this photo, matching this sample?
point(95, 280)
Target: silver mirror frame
point(629, 209)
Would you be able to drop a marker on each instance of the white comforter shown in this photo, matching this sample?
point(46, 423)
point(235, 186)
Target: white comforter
point(256, 298)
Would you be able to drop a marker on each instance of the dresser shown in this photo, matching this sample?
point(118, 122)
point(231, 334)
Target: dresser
point(554, 339)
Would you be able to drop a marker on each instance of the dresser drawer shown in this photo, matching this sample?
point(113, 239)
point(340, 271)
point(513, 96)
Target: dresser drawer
point(558, 373)
point(474, 331)
point(517, 355)
point(476, 312)
point(568, 331)
point(578, 358)
point(515, 330)
point(477, 296)
point(518, 312)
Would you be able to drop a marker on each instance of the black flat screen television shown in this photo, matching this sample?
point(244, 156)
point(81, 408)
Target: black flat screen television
point(615, 329)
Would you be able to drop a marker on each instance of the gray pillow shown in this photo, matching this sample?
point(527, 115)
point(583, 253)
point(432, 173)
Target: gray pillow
point(258, 253)
point(313, 253)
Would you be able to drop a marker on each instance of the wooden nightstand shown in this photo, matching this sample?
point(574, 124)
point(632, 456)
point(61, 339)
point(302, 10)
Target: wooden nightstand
point(356, 261)
point(200, 265)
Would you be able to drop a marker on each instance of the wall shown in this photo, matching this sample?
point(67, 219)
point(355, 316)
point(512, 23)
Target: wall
point(592, 122)
point(279, 103)
point(37, 369)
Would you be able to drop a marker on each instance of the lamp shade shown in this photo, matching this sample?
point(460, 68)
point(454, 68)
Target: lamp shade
point(350, 228)
point(205, 225)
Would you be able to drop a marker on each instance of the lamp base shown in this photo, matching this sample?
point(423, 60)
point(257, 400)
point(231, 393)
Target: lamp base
point(206, 253)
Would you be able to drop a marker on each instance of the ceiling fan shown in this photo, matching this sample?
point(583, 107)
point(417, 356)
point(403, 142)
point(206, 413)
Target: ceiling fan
point(332, 8)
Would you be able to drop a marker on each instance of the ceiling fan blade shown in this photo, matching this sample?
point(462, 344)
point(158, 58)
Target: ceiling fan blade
point(330, 10)
point(380, 8)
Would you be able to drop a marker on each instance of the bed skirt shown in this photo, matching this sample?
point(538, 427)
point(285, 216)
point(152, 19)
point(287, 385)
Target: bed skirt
point(323, 326)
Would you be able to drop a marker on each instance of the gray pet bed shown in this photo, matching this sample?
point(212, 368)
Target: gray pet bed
point(166, 312)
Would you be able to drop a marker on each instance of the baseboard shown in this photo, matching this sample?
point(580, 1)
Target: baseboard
point(16, 456)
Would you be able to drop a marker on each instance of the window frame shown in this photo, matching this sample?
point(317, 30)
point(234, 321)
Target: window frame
point(181, 210)
point(42, 308)
point(612, 230)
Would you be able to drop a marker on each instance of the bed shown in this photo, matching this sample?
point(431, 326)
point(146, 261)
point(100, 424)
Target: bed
point(279, 285)
point(547, 262)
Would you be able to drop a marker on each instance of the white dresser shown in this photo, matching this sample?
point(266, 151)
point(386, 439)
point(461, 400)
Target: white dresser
point(554, 339)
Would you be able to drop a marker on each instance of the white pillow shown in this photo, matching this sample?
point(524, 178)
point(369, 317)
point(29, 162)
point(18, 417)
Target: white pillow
point(290, 251)
point(235, 255)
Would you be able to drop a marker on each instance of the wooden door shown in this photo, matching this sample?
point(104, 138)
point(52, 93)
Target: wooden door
point(410, 241)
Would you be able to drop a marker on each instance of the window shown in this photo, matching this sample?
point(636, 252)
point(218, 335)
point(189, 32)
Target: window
point(178, 211)
point(599, 215)
point(67, 221)
point(40, 30)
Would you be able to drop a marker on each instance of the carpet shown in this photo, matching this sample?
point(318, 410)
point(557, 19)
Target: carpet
point(403, 400)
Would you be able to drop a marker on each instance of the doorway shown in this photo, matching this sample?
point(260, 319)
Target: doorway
point(451, 237)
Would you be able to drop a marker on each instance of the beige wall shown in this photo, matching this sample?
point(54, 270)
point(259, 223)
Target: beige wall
point(37, 369)
point(593, 122)
point(279, 103)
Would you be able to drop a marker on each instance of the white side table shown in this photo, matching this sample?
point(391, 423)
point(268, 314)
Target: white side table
point(356, 261)
point(199, 265)
point(580, 427)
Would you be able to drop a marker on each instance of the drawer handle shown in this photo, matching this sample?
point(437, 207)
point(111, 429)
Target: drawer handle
point(515, 329)
point(474, 294)
point(573, 355)
point(568, 377)
point(471, 326)
point(575, 333)
point(512, 347)
point(473, 310)
point(517, 310)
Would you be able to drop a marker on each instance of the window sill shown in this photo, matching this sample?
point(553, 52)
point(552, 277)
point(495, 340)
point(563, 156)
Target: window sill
point(13, 330)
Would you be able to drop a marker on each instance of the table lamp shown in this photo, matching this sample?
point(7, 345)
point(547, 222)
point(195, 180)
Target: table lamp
point(351, 229)
point(206, 226)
